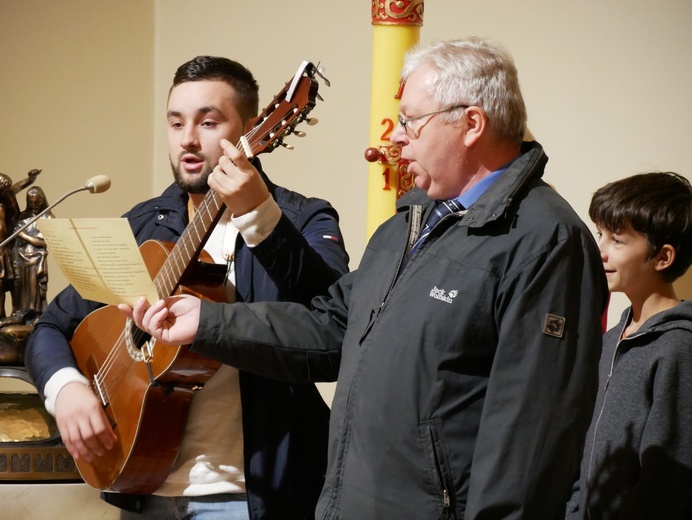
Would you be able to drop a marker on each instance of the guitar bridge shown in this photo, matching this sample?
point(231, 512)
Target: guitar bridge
point(96, 387)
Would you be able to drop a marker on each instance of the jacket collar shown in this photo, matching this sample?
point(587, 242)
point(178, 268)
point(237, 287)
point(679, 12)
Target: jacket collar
point(528, 167)
point(679, 317)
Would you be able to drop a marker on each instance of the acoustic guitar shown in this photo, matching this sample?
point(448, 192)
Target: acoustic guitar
point(145, 390)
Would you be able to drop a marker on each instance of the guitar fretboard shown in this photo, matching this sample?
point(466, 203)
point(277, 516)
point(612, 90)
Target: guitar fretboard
point(189, 246)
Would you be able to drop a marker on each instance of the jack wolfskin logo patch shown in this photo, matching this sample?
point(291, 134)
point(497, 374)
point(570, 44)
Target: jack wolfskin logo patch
point(440, 294)
point(554, 325)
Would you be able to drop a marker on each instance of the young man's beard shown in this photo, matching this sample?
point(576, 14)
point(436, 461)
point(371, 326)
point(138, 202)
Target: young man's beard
point(196, 184)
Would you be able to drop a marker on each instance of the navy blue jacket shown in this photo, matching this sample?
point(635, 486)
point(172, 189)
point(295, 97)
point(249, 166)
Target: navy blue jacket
point(284, 426)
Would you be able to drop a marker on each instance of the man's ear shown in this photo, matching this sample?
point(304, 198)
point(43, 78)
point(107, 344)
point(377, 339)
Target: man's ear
point(665, 257)
point(476, 125)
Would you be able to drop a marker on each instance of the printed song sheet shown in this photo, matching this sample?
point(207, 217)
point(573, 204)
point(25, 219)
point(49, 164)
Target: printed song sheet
point(100, 258)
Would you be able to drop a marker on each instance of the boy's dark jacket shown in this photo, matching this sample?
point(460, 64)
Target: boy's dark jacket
point(284, 426)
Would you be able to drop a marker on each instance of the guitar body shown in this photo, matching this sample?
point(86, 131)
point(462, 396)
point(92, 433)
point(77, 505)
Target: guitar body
point(147, 403)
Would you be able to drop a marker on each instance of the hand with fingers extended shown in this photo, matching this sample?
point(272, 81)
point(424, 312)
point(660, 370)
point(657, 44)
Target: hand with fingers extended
point(173, 320)
point(237, 181)
point(82, 422)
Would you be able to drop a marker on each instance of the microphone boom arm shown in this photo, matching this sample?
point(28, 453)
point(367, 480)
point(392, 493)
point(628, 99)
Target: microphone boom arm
point(97, 184)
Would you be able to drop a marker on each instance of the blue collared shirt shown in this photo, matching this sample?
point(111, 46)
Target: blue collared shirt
point(478, 189)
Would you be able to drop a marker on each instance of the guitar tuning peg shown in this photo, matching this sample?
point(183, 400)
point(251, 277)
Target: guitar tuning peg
point(320, 72)
point(287, 146)
point(299, 133)
point(312, 121)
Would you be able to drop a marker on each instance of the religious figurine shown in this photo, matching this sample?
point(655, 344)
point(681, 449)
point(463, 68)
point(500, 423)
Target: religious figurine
point(9, 209)
point(29, 259)
point(23, 260)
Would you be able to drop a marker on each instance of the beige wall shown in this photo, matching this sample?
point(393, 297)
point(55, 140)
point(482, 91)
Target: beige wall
point(76, 96)
point(76, 101)
point(606, 84)
point(84, 87)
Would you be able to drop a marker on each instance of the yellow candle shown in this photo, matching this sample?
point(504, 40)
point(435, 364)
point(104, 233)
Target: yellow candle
point(396, 28)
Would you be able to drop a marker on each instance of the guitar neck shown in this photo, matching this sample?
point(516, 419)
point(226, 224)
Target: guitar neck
point(188, 248)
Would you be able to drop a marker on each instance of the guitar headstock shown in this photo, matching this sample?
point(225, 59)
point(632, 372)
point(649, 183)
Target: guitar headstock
point(289, 108)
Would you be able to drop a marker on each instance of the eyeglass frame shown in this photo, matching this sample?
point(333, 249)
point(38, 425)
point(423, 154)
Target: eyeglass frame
point(404, 122)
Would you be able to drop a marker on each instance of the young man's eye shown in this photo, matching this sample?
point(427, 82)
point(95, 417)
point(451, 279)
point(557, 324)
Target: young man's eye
point(175, 124)
point(209, 124)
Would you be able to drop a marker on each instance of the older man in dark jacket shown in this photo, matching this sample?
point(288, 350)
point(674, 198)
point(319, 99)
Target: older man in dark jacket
point(467, 349)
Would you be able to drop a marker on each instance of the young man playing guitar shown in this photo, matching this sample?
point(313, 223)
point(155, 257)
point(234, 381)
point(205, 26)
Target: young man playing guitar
point(251, 448)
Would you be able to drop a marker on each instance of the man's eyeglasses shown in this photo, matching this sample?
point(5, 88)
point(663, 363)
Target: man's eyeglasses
point(405, 122)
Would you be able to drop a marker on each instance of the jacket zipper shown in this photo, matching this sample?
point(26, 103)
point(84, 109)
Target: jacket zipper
point(598, 420)
point(600, 412)
point(375, 312)
point(446, 501)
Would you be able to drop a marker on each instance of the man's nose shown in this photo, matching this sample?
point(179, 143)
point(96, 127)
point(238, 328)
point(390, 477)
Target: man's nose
point(398, 135)
point(189, 139)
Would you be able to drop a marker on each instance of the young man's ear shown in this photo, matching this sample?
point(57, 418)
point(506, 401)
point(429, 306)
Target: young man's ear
point(665, 257)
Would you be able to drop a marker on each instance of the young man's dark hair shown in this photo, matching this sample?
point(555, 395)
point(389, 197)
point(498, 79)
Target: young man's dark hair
point(212, 68)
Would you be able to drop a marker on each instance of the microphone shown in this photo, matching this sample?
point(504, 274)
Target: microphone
point(97, 184)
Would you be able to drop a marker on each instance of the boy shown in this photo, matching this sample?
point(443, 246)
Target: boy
point(637, 460)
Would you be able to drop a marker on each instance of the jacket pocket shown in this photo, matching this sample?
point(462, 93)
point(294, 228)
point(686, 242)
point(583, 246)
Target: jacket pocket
point(438, 470)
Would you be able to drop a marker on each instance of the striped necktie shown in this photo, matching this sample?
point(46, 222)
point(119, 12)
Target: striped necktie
point(442, 208)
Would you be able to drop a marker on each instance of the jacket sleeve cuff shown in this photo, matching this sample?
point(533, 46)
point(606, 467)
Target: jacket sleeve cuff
point(57, 382)
point(258, 224)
